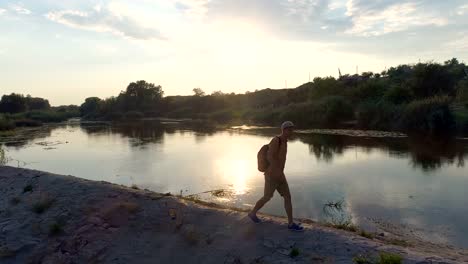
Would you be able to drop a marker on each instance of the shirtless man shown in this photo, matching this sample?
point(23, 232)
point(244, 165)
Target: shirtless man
point(275, 178)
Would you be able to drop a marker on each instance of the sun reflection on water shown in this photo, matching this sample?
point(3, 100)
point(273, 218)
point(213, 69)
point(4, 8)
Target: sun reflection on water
point(235, 171)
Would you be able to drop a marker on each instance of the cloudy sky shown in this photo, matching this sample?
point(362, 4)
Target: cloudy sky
point(71, 49)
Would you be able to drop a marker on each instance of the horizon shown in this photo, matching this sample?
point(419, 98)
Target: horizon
point(66, 52)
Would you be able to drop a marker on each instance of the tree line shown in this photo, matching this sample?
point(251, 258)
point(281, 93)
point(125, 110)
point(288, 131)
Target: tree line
point(424, 97)
point(17, 110)
point(429, 98)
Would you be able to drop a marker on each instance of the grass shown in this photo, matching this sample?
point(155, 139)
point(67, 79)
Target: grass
point(362, 260)
point(294, 253)
point(56, 228)
point(117, 208)
point(390, 258)
point(346, 225)
point(399, 242)
point(365, 234)
point(6, 252)
point(15, 200)
point(27, 188)
point(25, 122)
point(130, 207)
point(3, 158)
point(42, 205)
point(383, 258)
point(7, 133)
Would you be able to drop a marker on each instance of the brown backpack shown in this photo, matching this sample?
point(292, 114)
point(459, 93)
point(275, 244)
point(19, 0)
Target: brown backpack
point(262, 157)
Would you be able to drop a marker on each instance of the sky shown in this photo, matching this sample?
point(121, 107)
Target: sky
point(69, 50)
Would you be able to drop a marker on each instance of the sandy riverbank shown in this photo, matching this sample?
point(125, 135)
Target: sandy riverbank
point(48, 218)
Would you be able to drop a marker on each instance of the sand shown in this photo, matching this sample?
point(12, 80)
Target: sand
point(49, 218)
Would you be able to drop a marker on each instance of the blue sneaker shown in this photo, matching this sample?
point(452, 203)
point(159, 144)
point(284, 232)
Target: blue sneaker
point(295, 227)
point(254, 218)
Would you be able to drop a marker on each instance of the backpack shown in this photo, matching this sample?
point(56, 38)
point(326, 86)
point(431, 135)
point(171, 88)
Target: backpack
point(262, 157)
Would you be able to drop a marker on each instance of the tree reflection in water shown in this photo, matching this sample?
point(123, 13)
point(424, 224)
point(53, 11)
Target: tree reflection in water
point(427, 154)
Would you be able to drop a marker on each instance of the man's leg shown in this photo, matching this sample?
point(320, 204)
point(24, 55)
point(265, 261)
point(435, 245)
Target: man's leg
point(283, 189)
point(288, 208)
point(267, 194)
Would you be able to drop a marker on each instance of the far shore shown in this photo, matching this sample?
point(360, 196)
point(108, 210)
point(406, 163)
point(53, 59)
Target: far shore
point(49, 218)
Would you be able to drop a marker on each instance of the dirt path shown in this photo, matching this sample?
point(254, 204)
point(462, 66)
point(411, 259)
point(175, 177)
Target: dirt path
point(48, 218)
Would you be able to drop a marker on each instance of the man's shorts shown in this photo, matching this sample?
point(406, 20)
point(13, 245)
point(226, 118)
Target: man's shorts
point(272, 184)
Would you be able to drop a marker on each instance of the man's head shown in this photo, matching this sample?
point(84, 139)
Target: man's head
point(287, 128)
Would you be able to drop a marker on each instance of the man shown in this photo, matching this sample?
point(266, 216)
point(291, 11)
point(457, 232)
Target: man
point(275, 178)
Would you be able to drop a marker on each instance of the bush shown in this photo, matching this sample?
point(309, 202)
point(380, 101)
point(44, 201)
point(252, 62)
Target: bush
point(462, 92)
point(398, 95)
point(390, 258)
point(132, 115)
point(380, 116)
point(298, 114)
point(45, 116)
point(6, 124)
point(27, 123)
point(114, 116)
point(461, 119)
point(263, 117)
point(372, 89)
point(431, 115)
point(222, 116)
point(331, 111)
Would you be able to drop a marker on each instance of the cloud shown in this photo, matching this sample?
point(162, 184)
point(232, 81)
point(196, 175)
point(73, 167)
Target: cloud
point(104, 19)
point(20, 10)
point(374, 18)
point(329, 19)
point(194, 8)
point(462, 10)
point(2, 11)
point(459, 44)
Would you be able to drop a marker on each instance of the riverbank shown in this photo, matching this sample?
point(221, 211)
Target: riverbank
point(49, 218)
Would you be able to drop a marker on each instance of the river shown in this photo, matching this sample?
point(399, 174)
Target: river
point(414, 185)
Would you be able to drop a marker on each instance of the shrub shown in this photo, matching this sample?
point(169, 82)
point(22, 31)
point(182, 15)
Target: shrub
point(263, 117)
point(6, 124)
point(222, 116)
point(132, 115)
point(46, 116)
point(398, 95)
point(42, 204)
point(372, 89)
point(381, 116)
point(56, 228)
point(390, 258)
point(27, 123)
point(462, 92)
point(329, 111)
point(114, 116)
point(431, 115)
point(335, 109)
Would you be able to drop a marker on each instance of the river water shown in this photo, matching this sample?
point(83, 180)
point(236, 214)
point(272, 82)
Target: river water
point(415, 185)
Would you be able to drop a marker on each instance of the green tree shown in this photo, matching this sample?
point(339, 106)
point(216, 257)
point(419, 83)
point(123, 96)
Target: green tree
point(198, 92)
point(36, 103)
point(13, 103)
point(90, 107)
point(141, 96)
point(431, 79)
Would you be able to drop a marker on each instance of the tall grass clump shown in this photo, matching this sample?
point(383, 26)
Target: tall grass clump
point(328, 111)
point(380, 116)
point(6, 124)
point(132, 115)
point(429, 116)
